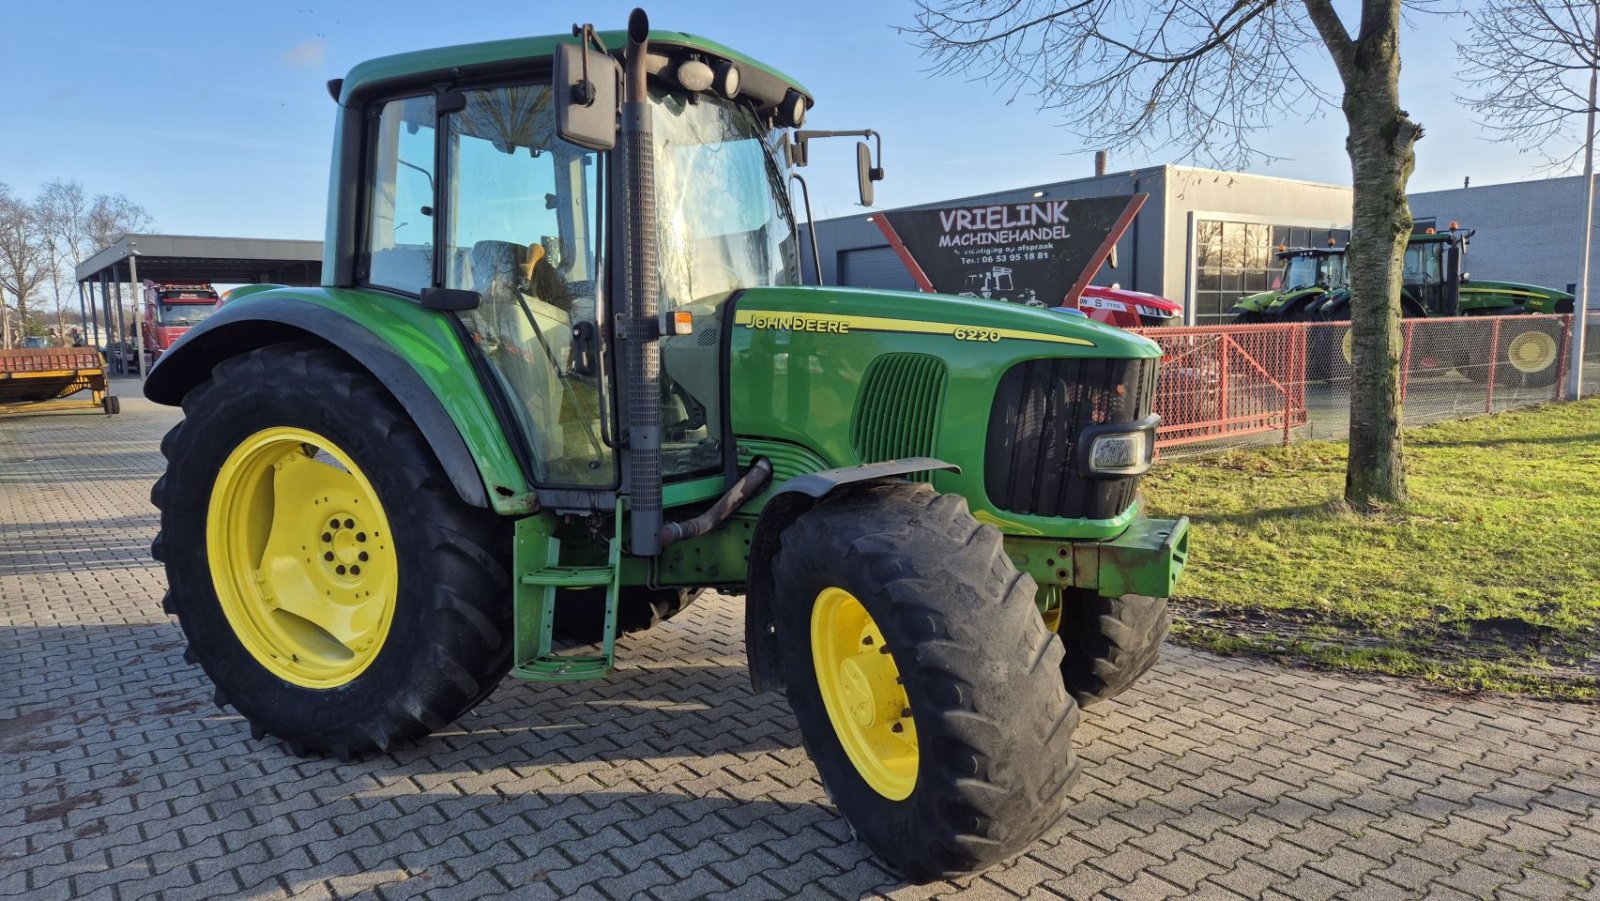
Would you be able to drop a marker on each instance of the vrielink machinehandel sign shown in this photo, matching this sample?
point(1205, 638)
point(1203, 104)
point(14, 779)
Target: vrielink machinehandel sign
point(1041, 253)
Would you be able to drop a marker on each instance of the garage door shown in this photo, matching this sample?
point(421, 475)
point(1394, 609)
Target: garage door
point(874, 267)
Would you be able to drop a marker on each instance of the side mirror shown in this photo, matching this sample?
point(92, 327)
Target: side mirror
point(865, 172)
point(585, 85)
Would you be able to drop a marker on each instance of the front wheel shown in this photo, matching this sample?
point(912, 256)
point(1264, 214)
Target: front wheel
point(927, 688)
point(1110, 642)
point(329, 580)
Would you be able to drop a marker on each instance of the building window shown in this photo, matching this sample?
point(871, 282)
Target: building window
point(1233, 259)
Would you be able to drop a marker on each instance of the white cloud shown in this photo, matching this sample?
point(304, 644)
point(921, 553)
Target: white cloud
point(308, 54)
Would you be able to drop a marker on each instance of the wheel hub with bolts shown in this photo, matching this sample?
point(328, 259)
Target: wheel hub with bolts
point(863, 695)
point(345, 540)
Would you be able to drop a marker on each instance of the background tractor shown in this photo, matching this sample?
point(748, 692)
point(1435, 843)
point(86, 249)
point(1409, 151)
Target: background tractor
point(564, 371)
point(1435, 284)
point(1308, 274)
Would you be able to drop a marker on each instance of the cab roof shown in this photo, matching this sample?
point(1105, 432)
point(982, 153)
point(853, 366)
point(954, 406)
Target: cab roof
point(468, 61)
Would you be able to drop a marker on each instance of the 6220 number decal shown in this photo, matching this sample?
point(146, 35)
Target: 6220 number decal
point(977, 334)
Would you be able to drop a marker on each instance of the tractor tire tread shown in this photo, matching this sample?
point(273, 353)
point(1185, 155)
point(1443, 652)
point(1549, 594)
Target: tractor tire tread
point(1110, 642)
point(463, 653)
point(993, 719)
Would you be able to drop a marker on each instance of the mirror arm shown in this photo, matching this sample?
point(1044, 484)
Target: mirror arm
point(803, 138)
point(811, 225)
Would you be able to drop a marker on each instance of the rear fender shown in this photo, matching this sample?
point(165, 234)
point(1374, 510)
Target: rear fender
point(791, 501)
point(465, 436)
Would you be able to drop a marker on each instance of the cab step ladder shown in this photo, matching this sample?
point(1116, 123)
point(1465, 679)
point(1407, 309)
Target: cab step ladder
point(535, 604)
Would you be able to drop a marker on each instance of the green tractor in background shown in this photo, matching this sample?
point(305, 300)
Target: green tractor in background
point(1435, 284)
point(1309, 273)
point(564, 371)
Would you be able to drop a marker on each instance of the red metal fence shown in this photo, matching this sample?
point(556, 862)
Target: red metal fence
point(1251, 384)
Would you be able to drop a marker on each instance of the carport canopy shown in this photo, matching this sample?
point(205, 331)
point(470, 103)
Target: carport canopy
point(183, 259)
point(192, 258)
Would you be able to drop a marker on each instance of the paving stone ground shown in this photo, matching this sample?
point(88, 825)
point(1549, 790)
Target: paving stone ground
point(1214, 778)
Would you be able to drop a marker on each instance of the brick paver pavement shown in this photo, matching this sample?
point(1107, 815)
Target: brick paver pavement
point(1214, 778)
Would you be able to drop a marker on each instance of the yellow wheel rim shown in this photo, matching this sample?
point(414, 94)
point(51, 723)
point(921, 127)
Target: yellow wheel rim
point(301, 557)
point(1347, 345)
point(1532, 352)
point(1050, 607)
point(861, 690)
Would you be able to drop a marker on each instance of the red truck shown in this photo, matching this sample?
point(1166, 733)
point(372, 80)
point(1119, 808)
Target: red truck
point(170, 309)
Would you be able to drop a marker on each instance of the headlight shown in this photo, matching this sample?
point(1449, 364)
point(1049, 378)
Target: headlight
point(1117, 453)
point(1155, 312)
point(1121, 449)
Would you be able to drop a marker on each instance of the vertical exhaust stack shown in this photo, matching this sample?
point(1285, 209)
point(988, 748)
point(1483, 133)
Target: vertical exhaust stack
point(1102, 158)
point(641, 350)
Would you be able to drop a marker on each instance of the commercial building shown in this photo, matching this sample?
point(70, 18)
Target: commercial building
point(1527, 231)
point(1203, 237)
point(1206, 237)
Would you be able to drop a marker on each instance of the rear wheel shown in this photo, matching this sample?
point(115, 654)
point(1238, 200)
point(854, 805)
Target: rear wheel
point(926, 686)
point(1110, 642)
point(1530, 355)
point(111, 404)
point(329, 580)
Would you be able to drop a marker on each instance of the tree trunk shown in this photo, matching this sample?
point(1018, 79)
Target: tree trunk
point(1382, 155)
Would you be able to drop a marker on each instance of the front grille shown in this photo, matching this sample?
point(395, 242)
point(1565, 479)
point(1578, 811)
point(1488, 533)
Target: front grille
point(1039, 408)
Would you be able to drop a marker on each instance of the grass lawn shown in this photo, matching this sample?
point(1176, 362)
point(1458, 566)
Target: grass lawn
point(1488, 578)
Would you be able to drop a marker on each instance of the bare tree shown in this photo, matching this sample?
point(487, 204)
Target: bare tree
point(72, 227)
point(1206, 77)
point(111, 217)
point(61, 212)
point(1527, 65)
point(24, 261)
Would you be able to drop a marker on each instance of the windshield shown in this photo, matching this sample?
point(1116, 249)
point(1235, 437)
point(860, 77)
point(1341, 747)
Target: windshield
point(721, 202)
point(1299, 272)
point(724, 224)
point(184, 314)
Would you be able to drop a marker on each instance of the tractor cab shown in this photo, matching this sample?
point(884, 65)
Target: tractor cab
point(1306, 276)
point(1431, 273)
point(1310, 267)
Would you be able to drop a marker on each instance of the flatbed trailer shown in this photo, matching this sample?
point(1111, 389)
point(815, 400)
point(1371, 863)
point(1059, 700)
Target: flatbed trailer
point(42, 378)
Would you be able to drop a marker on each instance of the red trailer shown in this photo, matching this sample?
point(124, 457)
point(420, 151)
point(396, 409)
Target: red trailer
point(36, 378)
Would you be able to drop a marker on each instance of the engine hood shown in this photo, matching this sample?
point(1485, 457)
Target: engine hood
point(958, 321)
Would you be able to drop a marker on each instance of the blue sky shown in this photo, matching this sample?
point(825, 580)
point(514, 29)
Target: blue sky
point(214, 115)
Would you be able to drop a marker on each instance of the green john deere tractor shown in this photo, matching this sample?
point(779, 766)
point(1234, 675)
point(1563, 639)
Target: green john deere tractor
point(1434, 283)
point(1309, 273)
point(564, 370)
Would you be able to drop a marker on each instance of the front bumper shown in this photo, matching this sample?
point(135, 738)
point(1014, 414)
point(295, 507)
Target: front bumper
point(1147, 558)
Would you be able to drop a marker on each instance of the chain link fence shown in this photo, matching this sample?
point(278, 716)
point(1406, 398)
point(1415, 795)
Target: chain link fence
point(1244, 385)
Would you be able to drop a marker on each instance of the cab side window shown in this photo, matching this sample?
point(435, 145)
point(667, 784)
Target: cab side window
point(397, 251)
